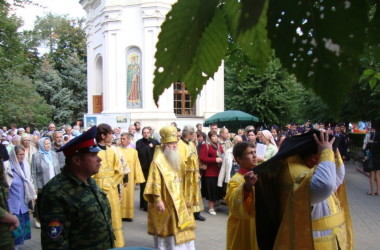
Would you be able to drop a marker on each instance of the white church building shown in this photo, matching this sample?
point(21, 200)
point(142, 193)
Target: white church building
point(121, 44)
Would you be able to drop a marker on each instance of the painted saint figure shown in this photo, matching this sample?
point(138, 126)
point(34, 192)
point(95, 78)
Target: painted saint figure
point(133, 83)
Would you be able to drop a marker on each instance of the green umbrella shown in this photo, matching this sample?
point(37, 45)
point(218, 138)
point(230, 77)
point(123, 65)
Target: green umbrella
point(231, 118)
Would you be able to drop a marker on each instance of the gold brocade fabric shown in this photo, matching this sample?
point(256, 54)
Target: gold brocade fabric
point(165, 184)
point(341, 194)
point(241, 224)
point(135, 176)
point(295, 231)
point(124, 167)
point(183, 151)
point(108, 178)
point(189, 156)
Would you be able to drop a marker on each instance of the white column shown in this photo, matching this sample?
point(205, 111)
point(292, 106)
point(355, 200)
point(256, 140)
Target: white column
point(106, 80)
point(153, 16)
point(113, 71)
point(111, 27)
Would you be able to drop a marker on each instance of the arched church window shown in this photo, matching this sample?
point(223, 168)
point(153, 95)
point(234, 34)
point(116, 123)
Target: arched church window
point(182, 101)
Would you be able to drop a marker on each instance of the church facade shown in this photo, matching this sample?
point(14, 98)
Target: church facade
point(121, 44)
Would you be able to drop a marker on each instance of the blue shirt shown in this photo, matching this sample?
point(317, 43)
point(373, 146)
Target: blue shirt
point(16, 199)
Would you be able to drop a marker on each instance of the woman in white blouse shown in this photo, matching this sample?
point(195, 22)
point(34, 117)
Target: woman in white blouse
point(226, 170)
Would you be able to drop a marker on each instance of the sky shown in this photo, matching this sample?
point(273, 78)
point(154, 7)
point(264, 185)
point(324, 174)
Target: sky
point(29, 13)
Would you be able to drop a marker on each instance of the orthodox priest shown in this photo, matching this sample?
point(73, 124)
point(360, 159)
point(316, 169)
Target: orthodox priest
point(309, 208)
point(170, 221)
point(134, 176)
point(109, 177)
point(188, 153)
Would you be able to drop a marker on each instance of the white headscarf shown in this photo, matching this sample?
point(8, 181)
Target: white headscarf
point(30, 192)
point(41, 148)
point(268, 135)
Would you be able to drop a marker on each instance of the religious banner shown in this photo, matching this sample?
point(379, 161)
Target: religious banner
point(120, 120)
point(134, 95)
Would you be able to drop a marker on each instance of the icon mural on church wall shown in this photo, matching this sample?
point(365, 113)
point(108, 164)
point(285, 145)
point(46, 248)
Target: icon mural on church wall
point(134, 95)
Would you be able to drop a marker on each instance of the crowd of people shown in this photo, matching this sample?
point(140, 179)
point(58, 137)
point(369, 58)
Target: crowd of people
point(81, 183)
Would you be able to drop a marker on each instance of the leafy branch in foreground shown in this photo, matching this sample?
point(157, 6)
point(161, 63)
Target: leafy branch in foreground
point(318, 41)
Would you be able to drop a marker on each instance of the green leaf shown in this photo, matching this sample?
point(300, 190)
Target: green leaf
point(377, 76)
point(254, 41)
point(368, 72)
point(372, 82)
point(250, 14)
point(210, 52)
point(320, 42)
point(363, 77)
point(179, 40)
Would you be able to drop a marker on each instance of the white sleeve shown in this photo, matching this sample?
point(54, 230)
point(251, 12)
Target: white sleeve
point(323, 182)
point(222, 173)
point(340, 173)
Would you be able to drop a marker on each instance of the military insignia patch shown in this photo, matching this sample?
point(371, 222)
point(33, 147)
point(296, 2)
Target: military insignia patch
point(54, 229)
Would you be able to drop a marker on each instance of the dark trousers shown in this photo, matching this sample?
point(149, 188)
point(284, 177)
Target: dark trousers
point(143, 202)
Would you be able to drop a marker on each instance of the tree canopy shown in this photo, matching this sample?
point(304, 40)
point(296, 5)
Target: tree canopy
point(42, 87)
point(20, 102)
point(273, 95)
point(61, 35)
point(62, 78)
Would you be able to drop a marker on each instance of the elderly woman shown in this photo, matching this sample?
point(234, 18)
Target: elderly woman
point(45, 163)
point(21, 193)
point(14, 142)
point(45, 166)
point(266, 138)
point(211, 153)
point(29, 148)
point(229, 166)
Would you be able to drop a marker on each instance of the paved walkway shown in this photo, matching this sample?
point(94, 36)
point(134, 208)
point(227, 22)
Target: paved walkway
point(365, 213)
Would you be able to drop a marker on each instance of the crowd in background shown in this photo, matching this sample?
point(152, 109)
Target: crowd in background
point(30, 157)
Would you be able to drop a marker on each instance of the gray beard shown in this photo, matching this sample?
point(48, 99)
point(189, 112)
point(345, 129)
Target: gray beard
point(58, 144)
point(173, 158)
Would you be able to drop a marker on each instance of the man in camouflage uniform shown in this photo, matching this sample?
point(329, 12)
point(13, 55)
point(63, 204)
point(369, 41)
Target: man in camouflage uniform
point(74, 211)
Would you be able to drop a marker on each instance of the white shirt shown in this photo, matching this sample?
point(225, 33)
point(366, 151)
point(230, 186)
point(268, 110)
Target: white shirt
point(326, 180)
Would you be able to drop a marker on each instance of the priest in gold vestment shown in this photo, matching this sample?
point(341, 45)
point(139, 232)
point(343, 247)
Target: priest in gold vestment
point(240, 199)
point(134, 176)
point(170, 221)
point(312, 208)
point(109, 177)
point(188, 154)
